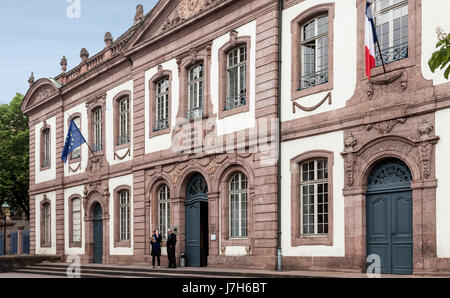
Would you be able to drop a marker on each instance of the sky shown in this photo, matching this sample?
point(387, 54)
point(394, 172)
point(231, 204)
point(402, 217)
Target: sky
point(36, 34)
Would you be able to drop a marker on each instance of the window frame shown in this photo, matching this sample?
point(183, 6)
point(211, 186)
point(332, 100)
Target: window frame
point(45, 225)
point(117, 120)
point(297, 45)
point(414, 47)
point(124, 215)
point(166, 201)
point(227, 48)
point(160, 75)
point(71, 200)
point(46, 129)
point(118, 241)
point(297, 238)
point(199, 97)
point(97, 132)
point(239, 192)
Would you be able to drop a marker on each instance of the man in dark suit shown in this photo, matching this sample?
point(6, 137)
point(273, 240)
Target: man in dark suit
point(171, 243)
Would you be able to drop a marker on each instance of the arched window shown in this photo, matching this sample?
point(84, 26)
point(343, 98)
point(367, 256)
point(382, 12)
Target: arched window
point(314, 197)
point(391, 21)
point(76, 220)
point(47, 223)
point(98, 130)
point(162, 104)
point(195, 91)
point(77, 152)
point(314, 44)
point(238, 206)
point(46, 148)
point(236, 78)
point(164, 210)
point(124, 213)
point(124, 121)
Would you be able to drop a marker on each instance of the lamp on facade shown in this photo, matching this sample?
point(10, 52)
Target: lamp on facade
point(5, 210)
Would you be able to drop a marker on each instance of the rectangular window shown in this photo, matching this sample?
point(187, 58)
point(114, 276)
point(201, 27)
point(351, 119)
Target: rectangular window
point(124, 121)
point(98, 139)
point(47, 228)
point(314, 53)
point(77, 152)
point(162, 104)
point(314, 197)
point(195, 92)
point(124, 215)
point(238, 206)
point(76, 220)
point(164, 210)
point(236, 78)
point(391, 21)
point(46, 153)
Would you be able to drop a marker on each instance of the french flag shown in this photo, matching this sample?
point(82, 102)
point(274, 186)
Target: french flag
point(371, 39)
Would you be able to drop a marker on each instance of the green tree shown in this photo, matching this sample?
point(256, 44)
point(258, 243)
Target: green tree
point(14, 157)
point(441, 57)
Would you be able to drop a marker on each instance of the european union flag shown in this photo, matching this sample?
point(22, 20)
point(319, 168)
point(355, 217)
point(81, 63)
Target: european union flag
point(74, 140)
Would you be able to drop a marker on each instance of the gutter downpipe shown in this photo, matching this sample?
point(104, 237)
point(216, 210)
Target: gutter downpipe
point(280, 32)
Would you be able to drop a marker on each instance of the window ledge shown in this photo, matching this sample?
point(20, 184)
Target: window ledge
point(46, 245)
point(298, 94)
point(123, 146)
point(123, 243)
point(156, 133)
point(75, 245)
point(237, 110)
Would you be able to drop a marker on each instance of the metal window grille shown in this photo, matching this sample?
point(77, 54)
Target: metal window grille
point(238, 206)
point(236, 78)
point(314, 197)
point(314, 53)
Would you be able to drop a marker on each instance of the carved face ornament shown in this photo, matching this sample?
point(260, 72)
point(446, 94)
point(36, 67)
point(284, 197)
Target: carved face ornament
point(192, 4)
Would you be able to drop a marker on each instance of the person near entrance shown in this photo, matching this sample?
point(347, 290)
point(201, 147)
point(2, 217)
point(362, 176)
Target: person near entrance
point(171, 243)
point(156, 247)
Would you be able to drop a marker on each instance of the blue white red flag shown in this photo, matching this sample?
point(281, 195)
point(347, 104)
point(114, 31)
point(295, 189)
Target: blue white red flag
point(370, 40)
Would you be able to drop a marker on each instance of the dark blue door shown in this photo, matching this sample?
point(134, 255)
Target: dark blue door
point(13, 238)
point(389, 217)
point(98, 234)
point(196, 222)
point(1, 244)
point(26, 242)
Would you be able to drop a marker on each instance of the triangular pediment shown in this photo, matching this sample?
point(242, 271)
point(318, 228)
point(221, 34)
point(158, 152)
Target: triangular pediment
point(40, 92)
point(168, 15)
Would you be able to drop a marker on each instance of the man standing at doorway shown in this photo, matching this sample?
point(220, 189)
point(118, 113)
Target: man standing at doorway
point(171, 243)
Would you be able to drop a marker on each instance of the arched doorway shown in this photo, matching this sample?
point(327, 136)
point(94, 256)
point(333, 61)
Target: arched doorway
point(98, 233)
point(389, 216)
point(196, 207)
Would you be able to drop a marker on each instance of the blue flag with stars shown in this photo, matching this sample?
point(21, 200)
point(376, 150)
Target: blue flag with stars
point(74, 140)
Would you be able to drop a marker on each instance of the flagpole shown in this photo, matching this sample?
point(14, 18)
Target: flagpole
point(83, 137)
point(381, 55)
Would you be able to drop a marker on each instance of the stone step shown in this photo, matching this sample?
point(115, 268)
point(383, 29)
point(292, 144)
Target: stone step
point(111, 273)
point(184, 271)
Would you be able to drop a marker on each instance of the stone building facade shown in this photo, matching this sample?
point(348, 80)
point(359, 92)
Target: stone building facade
point(251, 129)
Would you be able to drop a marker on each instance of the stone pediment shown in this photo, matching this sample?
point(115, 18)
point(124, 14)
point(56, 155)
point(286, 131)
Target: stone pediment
point(170, 14)
point(39, 92)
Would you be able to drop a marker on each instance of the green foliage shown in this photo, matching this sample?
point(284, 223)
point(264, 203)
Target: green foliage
point(14, 156)
point(441, 57)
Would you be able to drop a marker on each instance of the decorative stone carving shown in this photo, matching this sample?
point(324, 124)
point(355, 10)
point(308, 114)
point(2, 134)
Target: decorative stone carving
point(384, 80)
point(233, 38)
point(192, 55)
point(84, 54)
point(187, 9)
point(386, 127)
point(108, 39)
point(350, 142)
point(31, 79)
point(425, 129)
point(96, 164)
point(45, 92)
point(139, 14)
point(425, 159)
point(392, 172)
point(63, 64)
point(349, 163)
point(313, 108)
point(160, 70)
